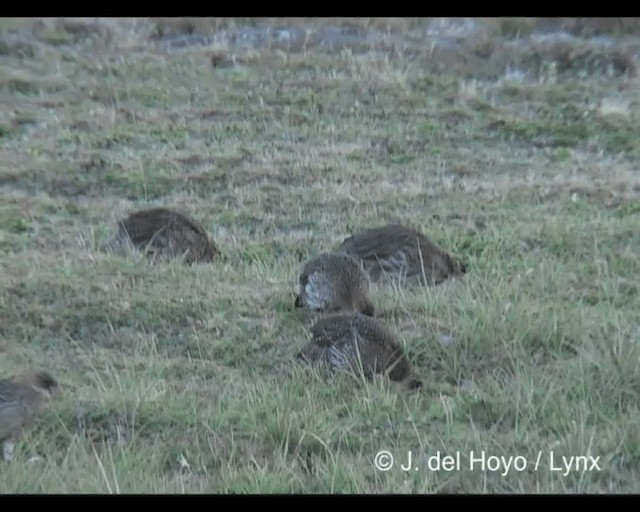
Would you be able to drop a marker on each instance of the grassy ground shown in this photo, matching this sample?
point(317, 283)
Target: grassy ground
point(182, 379)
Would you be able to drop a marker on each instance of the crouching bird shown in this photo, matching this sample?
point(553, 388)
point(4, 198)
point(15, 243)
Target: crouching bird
point(22, 398)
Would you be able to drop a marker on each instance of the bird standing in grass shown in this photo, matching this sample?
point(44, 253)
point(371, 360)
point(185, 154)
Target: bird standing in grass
point(398, 252)
point(22, 399)
point(164, 234)
point(358, 343)
point(333, 283)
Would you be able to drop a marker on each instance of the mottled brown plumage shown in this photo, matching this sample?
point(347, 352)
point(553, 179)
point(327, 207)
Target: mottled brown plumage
point(22, 399)
point(355, 342)
point(165, 234)
point(332, 283)
point(398, 252)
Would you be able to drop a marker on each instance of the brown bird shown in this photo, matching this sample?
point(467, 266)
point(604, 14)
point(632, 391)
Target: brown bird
point(164, 234)
point(399, 252)
point(355, 342)
point(22, 399)
point(332, 283)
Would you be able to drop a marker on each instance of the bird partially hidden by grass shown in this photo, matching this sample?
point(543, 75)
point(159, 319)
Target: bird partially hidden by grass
point(163, 235)
point(331, 283)
point(22, 398)
point(360, 345)
point(395, 251)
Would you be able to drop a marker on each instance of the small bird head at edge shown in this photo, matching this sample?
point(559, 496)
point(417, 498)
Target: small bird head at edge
point(41, 380)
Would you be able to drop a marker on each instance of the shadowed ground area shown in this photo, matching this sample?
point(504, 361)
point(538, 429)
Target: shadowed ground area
point(513, 143)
